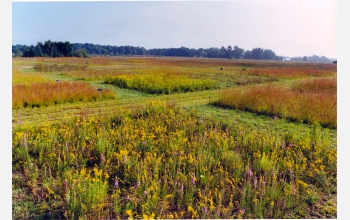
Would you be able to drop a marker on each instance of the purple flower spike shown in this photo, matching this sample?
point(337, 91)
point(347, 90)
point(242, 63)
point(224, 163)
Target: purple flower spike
point(284, 144)
point(294, 190)
point(291, 173)
point(250, 173)
point(116, 184)
point(137, 185)
point(255, 182)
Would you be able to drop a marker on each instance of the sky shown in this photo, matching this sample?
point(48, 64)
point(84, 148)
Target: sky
point(289, 28)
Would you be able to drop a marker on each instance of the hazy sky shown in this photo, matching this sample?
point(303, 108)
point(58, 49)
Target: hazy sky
point(289, 28)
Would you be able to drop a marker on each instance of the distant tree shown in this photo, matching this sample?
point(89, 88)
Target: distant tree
point(229, 52)
point(39, 50)
point(80, 53)
point(268, 55)
point(257, 53)
point(237, 52)
point(247, 55)
point(312, 58)
point(260, 54)
point(17, 52)
point(223, 52)
point(143, 51)
point(19, 47)
point(64, 49)
point(29, 51)
point(104, 52)
point(48, 50)
point(213, 52)
point(201, 52)
point(315, 58)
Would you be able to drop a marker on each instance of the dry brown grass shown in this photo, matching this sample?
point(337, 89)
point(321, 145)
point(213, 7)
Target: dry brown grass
point(44, 94)
point(302, 104)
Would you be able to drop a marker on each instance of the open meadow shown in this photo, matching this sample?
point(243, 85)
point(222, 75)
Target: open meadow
point(158, 137)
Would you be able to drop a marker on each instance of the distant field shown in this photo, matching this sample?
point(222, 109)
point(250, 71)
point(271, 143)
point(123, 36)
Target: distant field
point(173, 138)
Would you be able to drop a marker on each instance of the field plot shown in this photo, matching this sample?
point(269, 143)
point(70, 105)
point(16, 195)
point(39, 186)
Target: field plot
point(311, 101)
point(259, 142)
point(44, 94)
point(290, 72)
point(161, 84)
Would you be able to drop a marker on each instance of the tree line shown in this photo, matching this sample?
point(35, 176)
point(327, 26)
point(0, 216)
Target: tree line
point(47, 49)
point(67, 49)
point(313, 58)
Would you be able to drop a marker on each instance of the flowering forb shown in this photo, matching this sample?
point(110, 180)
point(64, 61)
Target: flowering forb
point(255, 181)
point(294, 190)
point(137, 185)
point(116, 183)
point(24, 140)
point(250, 173)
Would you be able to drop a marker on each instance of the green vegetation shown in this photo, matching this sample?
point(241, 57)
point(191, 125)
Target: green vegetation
point(173, 154)
point(161, 84)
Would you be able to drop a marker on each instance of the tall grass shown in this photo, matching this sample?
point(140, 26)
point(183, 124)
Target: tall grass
point(310, 102)
point(45, 94)
point(41, 67)
point(290, 72)
point(320, 85)
point(161, 83)
point(19, 77)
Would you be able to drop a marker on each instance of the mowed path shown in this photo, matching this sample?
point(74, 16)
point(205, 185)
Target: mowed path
point(105, 107)
point(130, 99)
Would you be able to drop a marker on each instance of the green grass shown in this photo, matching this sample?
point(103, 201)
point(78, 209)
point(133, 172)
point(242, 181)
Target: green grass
point(254, 133)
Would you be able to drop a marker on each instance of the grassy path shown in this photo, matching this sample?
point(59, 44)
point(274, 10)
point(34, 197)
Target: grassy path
point(127, 99)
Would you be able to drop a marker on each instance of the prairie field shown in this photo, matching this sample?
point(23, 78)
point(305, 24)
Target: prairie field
point(158, 137)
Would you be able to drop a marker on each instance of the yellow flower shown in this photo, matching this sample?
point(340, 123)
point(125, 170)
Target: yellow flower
point(128, 212)
point(82, 172)
point(97, 172)
point(303, 184)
